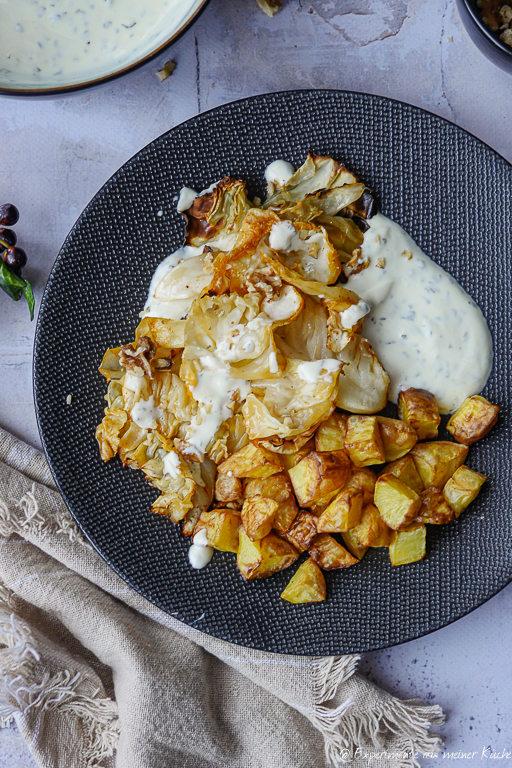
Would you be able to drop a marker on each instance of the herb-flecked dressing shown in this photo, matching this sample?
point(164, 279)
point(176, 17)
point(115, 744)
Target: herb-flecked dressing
point(51, 42)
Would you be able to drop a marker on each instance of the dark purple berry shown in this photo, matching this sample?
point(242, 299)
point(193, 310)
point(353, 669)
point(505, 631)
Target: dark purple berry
point(8, 238)
point(15, 258)
point(9, 215)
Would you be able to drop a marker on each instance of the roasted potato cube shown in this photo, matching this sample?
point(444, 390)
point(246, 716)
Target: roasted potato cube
point(221, 529)
point(259, 559)
point(408, 545)
point(462, 488)
point(321, 505)
point(397, 503)
point(279, 488)
point(328, 554)
point(343, 513)
point(353, 545)
point(258, 516)
point(364, 479)
point(307, 585)
point(330, 435)
point(228, 488)
point(405, 470)
point(363, 441)
point(397, 437)
point(319, 474)
point(251, 461)
point(371, 528)
point(290, 460)
point(302, 531)
point(434, 508)
point(475, 417)
point(419, 408)
point(436, 462)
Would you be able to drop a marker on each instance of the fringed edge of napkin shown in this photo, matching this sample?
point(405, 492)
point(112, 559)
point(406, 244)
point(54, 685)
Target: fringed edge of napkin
point(23, 689)
point(346, 725)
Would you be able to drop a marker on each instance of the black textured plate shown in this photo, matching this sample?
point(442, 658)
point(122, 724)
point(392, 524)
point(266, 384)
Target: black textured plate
point(450, 191)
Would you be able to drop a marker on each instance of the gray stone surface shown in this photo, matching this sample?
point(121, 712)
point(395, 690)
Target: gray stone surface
point(57, 153)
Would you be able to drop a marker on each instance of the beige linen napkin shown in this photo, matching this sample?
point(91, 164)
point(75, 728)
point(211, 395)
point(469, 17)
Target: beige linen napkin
point(95, 675)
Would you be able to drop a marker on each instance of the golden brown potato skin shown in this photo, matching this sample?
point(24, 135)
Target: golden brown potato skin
point(408, 545)
point(319, 474)
point(363, 441)
point(462, 488)
point(259, 559)
point(434, 508)
point(279, 488)
point(398, 437)
point(405, 470)
point(344, 512)
point(258, 516)
point(330, 435)
point(371, 529)
point(228, 488)
point(436, 462)
point(419, 409)
point(307, 585)
point(473, 420)
point(328, 554)
point(302, 531)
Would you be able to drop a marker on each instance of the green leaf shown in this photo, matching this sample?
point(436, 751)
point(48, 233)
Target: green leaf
point(16, 287)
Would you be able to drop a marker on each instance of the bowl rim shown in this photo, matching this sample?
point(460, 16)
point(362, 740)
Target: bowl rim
point(103, 79)
point(471, 8)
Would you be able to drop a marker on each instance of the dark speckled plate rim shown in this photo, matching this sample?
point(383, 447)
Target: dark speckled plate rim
point(251, 99)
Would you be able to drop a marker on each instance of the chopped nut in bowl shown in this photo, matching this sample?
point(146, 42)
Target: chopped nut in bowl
point(489, 24)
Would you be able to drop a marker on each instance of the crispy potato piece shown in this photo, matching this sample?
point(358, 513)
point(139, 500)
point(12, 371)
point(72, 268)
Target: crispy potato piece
point(290, 460)
point(397, 503)
point(419, 408)
point(328, 554)
point(302, 531)
point(405, 470)
point(462, 488)
point(251, 461)
point(318, 474)
point(353, 545)
point(279, 488)
point(434, 508)
point(330, 435)
point(307, 585)
point(363, 441)
point(371, 529)
point(221, 529)
point(436, 462)
point(364, 479)
point(228, 488)
point(259, 559)
point(475, 417)
point(343, 513)
point(397, 437)
point(320, 505)
point(258, 516)
point(408, 545)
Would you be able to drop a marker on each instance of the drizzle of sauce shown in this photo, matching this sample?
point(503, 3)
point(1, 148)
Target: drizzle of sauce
point(425, 329)
point(145, 413)
point(57, 42)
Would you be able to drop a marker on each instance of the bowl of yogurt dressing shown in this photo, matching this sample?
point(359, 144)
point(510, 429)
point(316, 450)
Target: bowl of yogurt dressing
point(49, 47)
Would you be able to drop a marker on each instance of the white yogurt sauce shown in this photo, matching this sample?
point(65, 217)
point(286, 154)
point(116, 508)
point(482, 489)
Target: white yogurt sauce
point(145, 413)
point(46, 43)
point(423, 326)
point(172, 464)
point(279, 172)
point(200, 553)
point(213, 391)
point(313, 370)
point(351, 316)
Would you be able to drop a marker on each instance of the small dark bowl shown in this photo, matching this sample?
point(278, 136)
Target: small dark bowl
point(95, 82)
point(485, 40)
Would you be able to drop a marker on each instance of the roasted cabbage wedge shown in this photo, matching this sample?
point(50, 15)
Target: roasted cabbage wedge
point(250, 398)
